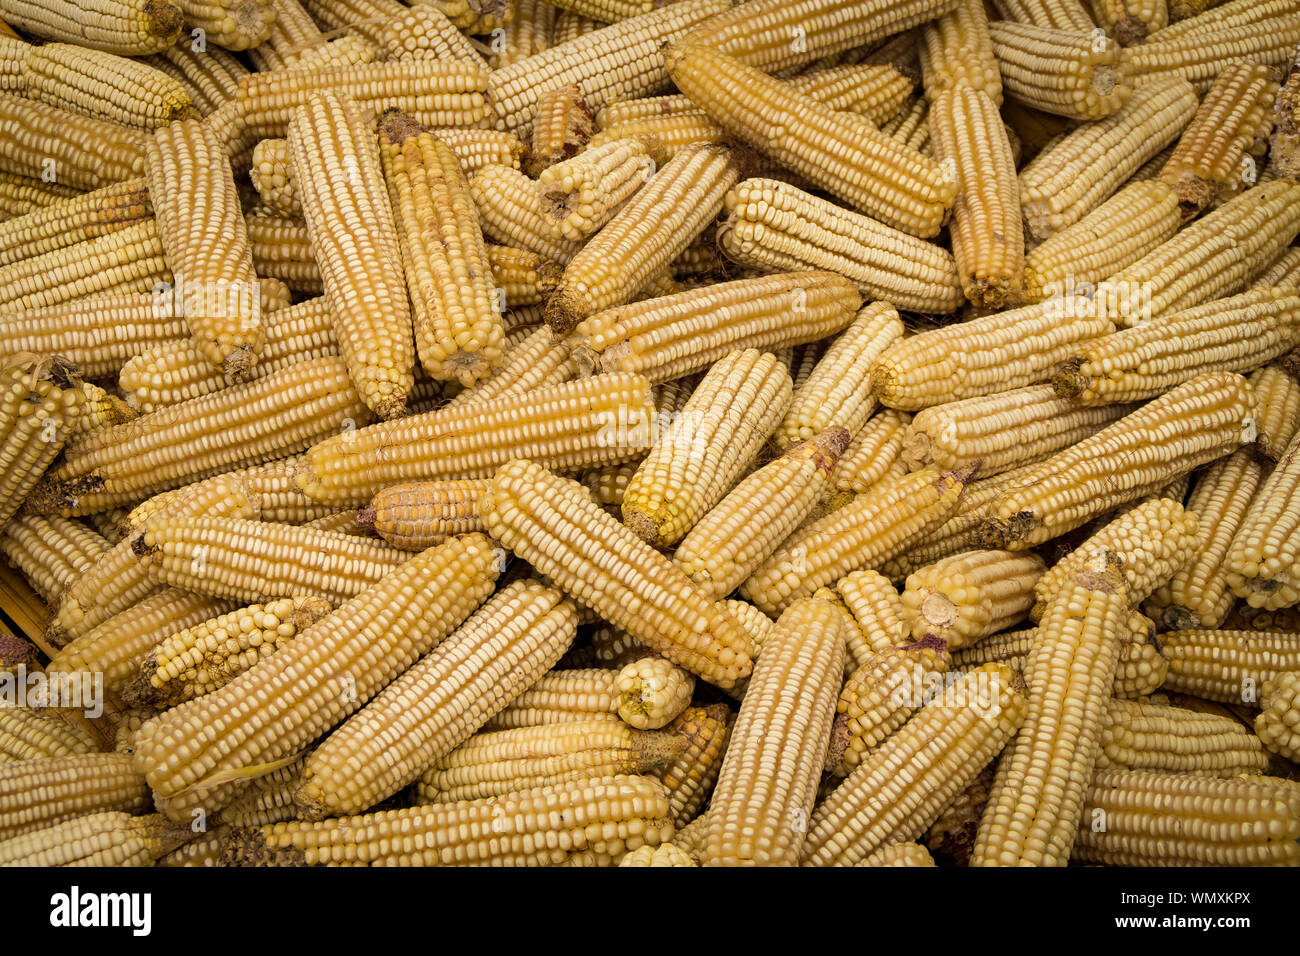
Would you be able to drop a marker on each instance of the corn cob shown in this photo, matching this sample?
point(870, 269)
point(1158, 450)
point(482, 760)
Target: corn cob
point(1280, 715)
point(1123, 229)
point(425, 31)
point(274, 178)
point(678, 335)
point(124, 27)
point(1209, 156)
point(440, 702)
point(21, 194)
point(971, 595)
point(200, 851)
point(1213, 257)
point(877, 610)
point(767, 785)
point(561, 696)
point(1067, 180)
point(419, 514)
point(1136, 818)
point(539, 827)
point(360, 265)
point(795, 130)
point(690, 775)
point(536, 361)
point(775, 226)
point(569, 26)
point(669, 134)
point(1147, 736)
point(509, 208)
point(282, 250)
point(613, 572)
point(863, 533)
point(527, 32)
point(562, 127)
point(27, 734)
point(581, 194)
point(990, 354)
point(1277, 410)
point(209, 76)
point(39, 406)
point(1200, 420)
point(956, 51)
point(51, 144)
point(873, 453)
point(104, 86)
point(1053, 14)
point(617, 62)
point(100, 410)
point(652, 692)
point(901, 788)
point(1037, 797)
point(209, 257)
point(874, 91)
point(328, 672)
point(206, 657)
point(1228, 666)
point(51, 552)
point(268, 800)
point(1081, 76)
point(1261, 563)
point(879, 697)
point(233, 24)
point(679, 200)
point(575, 425)
point(264, 418)
point(109, 838)
point(111, 652)
point(708, 445)
point(522, 277)
point(77, 219)
point(1200, 55)
point(35, 794)
point(492, 764)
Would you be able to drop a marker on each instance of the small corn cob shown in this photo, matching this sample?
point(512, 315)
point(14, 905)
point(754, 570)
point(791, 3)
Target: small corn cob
point(1037, 799)
point(606, 816)
point(679, 335)
point(1077, 75)
point(602, 420)
point(1000, 431)
point(210, 76)
point(279, 414)
point(255, 561)
point(561, 696)
point(873, 453)
point(20, 194)
point(104, 86)
point(617, 62)
point(1277, 410)
point(209, 256)
point(1153, 541)
point(509, 208)
point(492, 764)
point(109, 838)
point(35, 794)
point(994, 353)
point(328, 672)
point(879, 697)
point(956, 51)
point(39, 407)
point(1234, 115)
point(350, 224)
point(796, 131)
point(898, 791)
point(1279, 718)
point(419, 514)
point(458, 329)
point(52, 145)
point(877, 609)
point(69, 221)
point(767, 785)
point(1137, 735)
point(275, 179)
point(1200, 420)
point(868, 530)
point(206, 657)
point(1119, 232)
point(562, 128)
point(439, 702)
point(604, 566)
point(581, 194)
point(128, 260)
point(1213, 257)
point(1053, 14)
point(1136, 818)
point(652, 692)
point(1262, 563)
point(680, 199)
point(124, 27)
point(969, 596)
point(51, 552)
point(425, 31)
point(1200, 55)
point(27, 734)
point(707, 447)
point(1065, 181)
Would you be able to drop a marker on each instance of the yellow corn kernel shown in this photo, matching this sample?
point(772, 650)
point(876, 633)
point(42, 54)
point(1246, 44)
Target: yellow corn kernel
point(971, 595)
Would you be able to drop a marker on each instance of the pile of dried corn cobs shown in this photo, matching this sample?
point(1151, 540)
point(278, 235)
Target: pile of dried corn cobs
point(803, 432)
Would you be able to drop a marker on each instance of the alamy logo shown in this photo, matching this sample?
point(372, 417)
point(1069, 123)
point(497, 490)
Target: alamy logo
point(83, 691)
point(76, 909)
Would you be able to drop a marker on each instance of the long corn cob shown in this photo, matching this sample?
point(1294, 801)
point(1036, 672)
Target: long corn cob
point(1036, 804)
point(1228, 666)
point(104, 86)
point(602, 420)
point(707, 446)
point(53, 145)
point(1067, 180)
point(1077, 75)
point(1200, 420)
point(969, 596)
point(124, 27)
point(39, 793)
point(606, 567)
point(1262, 561)
point(678, 201)
point(66, 222)
point(561, 696)
point(767, 785)
point(1147, 736)
point(956, 51)
point(51, 552)
point(350, 224)
point(902, 787)
point(108, 838)
point(1200, 55)
point(27, 734)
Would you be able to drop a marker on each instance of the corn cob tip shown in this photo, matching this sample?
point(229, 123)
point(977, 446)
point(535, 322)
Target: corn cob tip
point(396, 127)
point(565, 309)
point(164, 18)
point(645, 528)
point(238, 364)
point(366, 519)
point(1130, 31)
point(246, 846)
point(16, 652)
point(838, 746)
point(52, 496)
